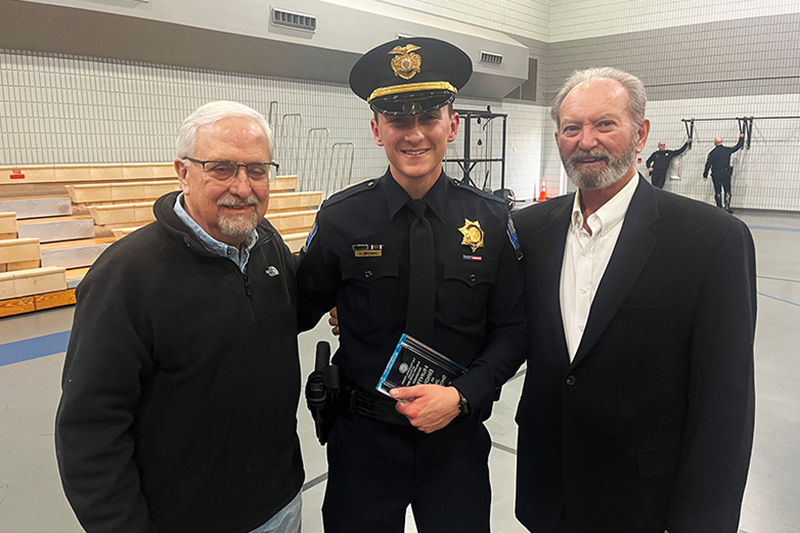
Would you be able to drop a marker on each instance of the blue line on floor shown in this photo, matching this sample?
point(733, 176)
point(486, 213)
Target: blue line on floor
point(16, 352)
point(779, 299)
point(775, 228)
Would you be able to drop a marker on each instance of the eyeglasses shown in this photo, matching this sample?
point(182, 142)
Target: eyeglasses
point(224, 170)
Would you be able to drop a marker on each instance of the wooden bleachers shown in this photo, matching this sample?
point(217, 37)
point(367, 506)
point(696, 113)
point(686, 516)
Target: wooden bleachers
point(56, 219)
point(35, 289)
point(19, 254)
point(24, 285)
point(292, 213)
point(112, 193)
point(56, 229)
point(140, 213)
point(85, 173)
point(8, 226)
point(45, 245)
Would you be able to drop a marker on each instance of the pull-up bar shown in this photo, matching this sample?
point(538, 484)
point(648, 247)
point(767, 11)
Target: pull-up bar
point(745, 125)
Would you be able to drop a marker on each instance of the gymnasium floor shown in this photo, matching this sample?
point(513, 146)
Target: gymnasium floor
point(31, 358)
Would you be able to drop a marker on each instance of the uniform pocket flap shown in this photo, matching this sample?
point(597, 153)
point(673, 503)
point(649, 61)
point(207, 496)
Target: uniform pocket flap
point(369, 269)
point(469, 271)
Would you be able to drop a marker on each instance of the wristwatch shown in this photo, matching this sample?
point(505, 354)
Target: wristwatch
point(463, 404)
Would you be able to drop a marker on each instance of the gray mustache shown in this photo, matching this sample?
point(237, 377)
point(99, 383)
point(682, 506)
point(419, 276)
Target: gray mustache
point(596, 153)
point(235, 200)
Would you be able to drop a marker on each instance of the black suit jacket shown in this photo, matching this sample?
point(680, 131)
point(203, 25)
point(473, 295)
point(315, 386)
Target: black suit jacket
point(650, 427)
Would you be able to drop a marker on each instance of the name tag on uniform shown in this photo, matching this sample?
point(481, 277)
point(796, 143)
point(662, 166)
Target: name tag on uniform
point(368, 250)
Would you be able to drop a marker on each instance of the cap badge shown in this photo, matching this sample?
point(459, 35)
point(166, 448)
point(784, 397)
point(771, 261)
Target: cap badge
point(406, 63)
point(473, 234)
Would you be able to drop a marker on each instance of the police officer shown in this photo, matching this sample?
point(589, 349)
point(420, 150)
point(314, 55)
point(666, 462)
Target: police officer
point(659, 161)
point(719, 162)
point(427, 447)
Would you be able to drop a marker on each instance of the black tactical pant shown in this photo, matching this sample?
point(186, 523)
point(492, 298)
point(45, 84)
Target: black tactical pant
point(658, 178)
point(376, 470)
point(722, 180)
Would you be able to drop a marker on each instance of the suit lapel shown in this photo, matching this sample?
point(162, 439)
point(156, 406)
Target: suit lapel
point(629, 257)
point(551, 243)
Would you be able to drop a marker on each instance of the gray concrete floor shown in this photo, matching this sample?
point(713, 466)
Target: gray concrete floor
point(31, 500)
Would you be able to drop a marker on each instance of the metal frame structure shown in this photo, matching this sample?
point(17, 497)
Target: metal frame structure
point(745, 125)
point(467, 163)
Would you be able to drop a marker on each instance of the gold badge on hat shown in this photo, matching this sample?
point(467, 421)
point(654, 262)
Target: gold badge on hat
point(473, 234)
point(406, 63)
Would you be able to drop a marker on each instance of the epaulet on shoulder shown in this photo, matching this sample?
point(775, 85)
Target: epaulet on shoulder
point(337, 197)
point(474, 190)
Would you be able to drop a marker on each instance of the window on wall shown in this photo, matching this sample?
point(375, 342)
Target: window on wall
point(527, 91)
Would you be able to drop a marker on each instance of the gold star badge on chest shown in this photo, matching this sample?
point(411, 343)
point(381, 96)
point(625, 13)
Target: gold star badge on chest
point(473, 234)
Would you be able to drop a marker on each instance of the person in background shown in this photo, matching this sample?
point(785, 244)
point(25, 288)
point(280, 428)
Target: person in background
point(719, 163)
point(659, 161)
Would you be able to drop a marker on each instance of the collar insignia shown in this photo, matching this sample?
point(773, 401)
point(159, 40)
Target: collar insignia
point(473, 234)
point(406, 63)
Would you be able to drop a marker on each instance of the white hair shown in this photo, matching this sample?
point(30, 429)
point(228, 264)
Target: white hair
point(210, 113)
point(637, 96)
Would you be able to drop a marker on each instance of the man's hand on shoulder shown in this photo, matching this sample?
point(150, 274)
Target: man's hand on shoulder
point(429, 408)
point(333, 320)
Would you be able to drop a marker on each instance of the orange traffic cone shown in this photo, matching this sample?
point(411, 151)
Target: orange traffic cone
point(543, 193)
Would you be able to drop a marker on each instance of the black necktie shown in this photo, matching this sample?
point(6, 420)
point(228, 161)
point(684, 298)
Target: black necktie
point(421, 278)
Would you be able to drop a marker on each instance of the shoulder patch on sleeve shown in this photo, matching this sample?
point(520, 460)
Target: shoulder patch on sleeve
point(310, 236)
point(512, 236)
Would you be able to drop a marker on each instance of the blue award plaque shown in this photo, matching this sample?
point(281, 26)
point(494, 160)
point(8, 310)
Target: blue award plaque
point(414, 363)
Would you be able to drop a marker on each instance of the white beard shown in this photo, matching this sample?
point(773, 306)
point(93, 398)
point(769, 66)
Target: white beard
point(237, 225)
point(593, 178)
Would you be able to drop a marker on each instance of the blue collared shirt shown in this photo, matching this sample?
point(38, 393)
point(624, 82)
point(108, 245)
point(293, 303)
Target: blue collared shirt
point(213, 245)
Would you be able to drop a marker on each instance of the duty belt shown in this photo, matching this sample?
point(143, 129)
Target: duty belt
point(374, 408)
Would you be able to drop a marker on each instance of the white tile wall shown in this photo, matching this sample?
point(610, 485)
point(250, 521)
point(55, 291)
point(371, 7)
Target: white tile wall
point(69, 109)
point(580, 19)
point(527, 18)
point(764, 177)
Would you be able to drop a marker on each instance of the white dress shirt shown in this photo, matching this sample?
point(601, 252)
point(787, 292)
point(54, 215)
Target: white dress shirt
point(586, 258)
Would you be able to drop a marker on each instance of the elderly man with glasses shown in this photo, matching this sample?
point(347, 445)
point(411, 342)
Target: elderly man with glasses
point(182, 378)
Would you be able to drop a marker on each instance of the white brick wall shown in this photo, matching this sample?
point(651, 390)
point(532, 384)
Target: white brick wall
point(527, 18)
point(580, 19)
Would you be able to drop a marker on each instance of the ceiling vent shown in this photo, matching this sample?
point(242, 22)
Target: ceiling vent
point(297, 21)
point(490, 58)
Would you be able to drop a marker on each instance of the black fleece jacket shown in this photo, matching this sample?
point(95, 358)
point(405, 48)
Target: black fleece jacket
point(181, 385)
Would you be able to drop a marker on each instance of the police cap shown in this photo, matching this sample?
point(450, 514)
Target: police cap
point(410, 75)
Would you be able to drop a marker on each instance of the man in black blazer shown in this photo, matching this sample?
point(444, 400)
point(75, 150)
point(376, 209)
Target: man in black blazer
point(637, 410)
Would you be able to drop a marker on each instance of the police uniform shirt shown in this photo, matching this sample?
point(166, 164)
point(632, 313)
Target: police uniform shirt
point(660, 159)
point(357, 259)
point(719, 158)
